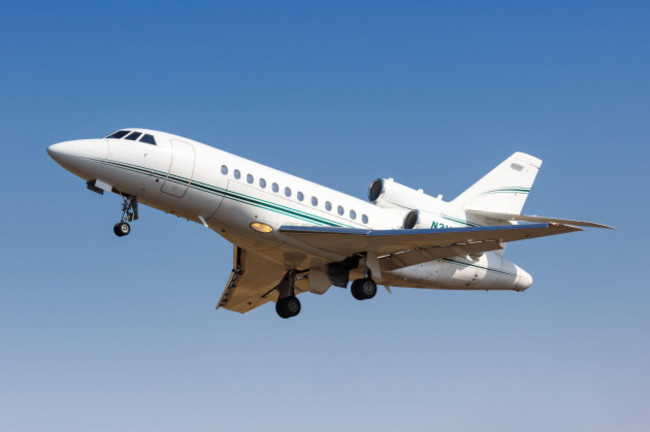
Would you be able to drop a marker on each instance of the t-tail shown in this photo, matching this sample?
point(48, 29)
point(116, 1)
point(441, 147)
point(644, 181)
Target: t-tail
point(505, 188)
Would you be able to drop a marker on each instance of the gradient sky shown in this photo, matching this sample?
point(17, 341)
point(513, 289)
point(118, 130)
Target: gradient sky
point(99, 333)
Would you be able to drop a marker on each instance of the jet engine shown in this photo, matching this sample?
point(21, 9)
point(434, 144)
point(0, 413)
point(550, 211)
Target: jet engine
point(387, 193)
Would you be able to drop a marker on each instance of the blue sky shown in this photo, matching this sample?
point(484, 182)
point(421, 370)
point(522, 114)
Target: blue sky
point(100, 333)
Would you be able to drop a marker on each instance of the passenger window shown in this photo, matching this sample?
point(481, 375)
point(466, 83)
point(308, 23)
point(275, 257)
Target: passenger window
point(262, 183)
point(314, 201)
point(287, 191)
point(300, 196)
point(275, 187)
point(364, 219)
point(249, 178)
point(237, 174)
point(328, 205)
point(118, 134)
point(353, 214)
point(133, 136)
point(340, 210)
point(149, 139)
point(224, 169)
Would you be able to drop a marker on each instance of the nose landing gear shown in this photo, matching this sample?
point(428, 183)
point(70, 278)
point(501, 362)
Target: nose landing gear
point(129, 213)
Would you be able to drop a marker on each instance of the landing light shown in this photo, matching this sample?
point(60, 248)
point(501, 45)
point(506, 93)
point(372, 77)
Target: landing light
point(261, 227)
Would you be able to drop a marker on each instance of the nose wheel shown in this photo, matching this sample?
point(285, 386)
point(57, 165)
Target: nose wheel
point(129, 213)
point(121, 229)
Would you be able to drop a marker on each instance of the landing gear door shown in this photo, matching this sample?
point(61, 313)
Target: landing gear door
point(181, 169)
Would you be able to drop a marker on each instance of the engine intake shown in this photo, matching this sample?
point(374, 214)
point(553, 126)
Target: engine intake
point(389, 193)
point(411, 219)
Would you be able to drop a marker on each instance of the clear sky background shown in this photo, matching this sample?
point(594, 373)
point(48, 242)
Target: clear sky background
point(99, 333)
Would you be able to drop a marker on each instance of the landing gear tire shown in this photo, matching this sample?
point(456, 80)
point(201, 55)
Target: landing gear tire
point(288, 307)
point(363, 289)
point(129, 213)
point(355, 289)
point(121, 229)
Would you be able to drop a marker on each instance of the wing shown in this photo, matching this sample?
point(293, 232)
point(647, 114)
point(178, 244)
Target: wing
point(254, 278)
point(402, 248)
point(253, 282)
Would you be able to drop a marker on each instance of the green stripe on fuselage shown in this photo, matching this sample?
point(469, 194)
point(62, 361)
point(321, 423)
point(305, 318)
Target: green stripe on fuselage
point(268, 205)
point(246, 199)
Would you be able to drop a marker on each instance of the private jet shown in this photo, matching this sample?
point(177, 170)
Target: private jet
point(292, 236)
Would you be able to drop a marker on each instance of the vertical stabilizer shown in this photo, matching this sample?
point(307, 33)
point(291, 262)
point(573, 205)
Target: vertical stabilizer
point(505, 188)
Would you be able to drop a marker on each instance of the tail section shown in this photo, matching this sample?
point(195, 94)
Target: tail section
point(505, 188)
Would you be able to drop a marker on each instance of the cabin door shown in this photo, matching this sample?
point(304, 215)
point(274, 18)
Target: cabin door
point(181, 169)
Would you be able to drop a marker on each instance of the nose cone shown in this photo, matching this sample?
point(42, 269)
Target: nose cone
point(524, 279)
point(59, 152)
point(80, 157)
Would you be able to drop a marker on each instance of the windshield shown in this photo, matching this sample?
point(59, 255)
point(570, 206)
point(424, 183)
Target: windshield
point(118, 134)
point(133, 136)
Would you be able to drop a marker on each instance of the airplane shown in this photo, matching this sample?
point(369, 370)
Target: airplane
point(292, 236)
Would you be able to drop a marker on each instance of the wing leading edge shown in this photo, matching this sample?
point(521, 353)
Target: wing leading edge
point(441, 243)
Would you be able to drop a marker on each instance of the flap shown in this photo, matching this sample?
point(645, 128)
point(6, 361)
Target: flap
point(253, 281)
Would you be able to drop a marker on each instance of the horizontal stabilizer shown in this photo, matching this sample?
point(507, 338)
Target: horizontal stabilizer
point(509, 217)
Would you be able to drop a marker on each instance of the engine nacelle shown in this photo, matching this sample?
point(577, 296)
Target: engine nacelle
point(400, 218)
point(389, 194)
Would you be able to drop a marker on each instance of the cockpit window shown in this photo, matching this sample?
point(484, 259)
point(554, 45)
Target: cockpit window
point(133, 136)
point(149, 139)
point(119, 134)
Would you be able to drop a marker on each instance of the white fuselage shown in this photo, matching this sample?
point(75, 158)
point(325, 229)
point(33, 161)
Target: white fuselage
point(228, 193)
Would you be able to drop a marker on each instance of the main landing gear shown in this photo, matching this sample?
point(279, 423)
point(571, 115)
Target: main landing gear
point(363, 289)
point(288, 307)
point(129, 213)
point(338, 274)
point(288, 304)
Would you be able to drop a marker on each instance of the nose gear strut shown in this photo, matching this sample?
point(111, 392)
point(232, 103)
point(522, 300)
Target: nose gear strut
point(129, 213)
